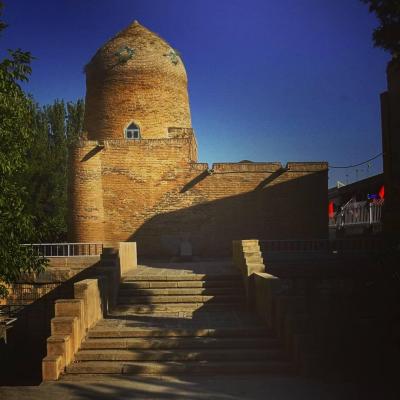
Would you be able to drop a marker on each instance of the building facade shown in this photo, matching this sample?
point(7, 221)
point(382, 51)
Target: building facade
point(137, 176)
point(390, 112)
point(356, 208)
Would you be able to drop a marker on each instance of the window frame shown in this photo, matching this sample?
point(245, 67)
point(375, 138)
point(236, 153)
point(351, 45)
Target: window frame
point(132, 132)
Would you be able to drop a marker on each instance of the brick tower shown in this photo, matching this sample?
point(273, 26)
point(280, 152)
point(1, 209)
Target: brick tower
point(136, 79)
point(137, 178)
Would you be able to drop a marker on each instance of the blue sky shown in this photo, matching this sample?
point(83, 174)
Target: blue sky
point(287, 80)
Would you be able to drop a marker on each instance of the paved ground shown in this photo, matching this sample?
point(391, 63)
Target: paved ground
point(213, 267)
point(193, 388)
point(121, 387)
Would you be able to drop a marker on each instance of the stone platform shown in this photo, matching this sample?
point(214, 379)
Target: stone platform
point(159, 268)
point(180, 318)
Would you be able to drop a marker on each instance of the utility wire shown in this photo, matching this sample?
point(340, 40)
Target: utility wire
point(356, 165)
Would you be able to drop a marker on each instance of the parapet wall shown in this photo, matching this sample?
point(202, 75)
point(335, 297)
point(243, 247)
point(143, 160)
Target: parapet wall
point(155, 193)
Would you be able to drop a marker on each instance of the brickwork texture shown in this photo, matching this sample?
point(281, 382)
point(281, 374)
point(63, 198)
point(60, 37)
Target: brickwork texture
point(136, 77)
point(153, 191)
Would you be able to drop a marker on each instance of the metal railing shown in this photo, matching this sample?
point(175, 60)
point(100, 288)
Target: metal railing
point(321, 245)
point(294, 246)
point(8, 315)
point(370, 214)
point(66, 249)
point(26, 293)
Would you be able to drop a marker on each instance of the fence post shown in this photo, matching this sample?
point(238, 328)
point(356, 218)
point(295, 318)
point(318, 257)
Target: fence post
point(370, 213)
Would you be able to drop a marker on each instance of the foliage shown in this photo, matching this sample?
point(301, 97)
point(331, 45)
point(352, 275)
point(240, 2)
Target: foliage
point(17, 225)
point(33, 168)
point(387, 34)
point(55, 128)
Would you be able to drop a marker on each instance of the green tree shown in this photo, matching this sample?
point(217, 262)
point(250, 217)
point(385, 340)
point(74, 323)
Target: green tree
point(55, 128)
point(17, 224)
point(387, 34)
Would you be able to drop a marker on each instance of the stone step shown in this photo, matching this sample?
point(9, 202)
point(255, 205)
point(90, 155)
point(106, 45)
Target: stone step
point(124, 292)
point(180, 355)
point(176, 307)
point(179, 343)
point(178, 368)
point(182, 277)
point(148, 332)
point(181, 284)
point(180, 299)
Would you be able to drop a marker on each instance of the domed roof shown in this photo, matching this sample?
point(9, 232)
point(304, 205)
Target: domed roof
point(137, 49)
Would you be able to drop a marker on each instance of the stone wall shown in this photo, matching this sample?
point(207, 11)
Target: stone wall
point(155, 193)
point(335, 322)
point(59, 270)
point(24, 352)
point(73, 318)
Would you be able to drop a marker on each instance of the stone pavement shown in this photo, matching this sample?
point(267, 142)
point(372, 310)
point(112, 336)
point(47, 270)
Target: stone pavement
point(192, 388)
point(180, 319)
point(212, 267)
point(220, 386)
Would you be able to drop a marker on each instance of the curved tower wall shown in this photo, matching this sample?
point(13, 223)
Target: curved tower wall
point(86, 216)
point(136, 77)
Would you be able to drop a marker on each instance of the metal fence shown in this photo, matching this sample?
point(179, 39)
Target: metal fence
point(321, 245)
point(26, 293)
point(8, 315)
point(66, 249)
point(370, 214)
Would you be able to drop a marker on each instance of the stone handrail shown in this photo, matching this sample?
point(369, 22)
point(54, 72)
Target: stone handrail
point(248, 258)
point(74, 317)
point(263, 290)
point(305, 314)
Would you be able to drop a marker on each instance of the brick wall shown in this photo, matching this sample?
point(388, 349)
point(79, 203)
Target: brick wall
point(86, 192)
point(153, 192)
point(150, 88)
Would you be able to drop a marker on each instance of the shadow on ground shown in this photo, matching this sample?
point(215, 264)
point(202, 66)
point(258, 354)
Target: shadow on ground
point(197, 388)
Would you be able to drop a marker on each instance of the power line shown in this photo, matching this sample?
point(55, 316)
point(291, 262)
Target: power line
point(356, 165)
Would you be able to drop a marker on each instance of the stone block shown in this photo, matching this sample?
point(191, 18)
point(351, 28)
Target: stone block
point(88, 290)
point(72, 308)
point(266, 287)
point(127, 257)
point(253, 267)
point(67, 326)
point(52, 366)
point(59, 345)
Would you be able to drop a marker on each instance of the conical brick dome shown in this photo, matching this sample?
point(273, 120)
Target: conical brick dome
point(136, 79)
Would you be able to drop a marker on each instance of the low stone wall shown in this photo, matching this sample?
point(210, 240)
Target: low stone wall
point(91, 302)
point(26, 339)
point(73, 318)
point(330, 324)
point(60, 269)
point(248, 258)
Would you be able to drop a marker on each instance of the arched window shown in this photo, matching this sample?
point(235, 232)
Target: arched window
point(132, 132)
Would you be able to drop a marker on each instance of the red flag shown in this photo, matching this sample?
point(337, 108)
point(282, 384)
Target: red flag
point(331, 211)
point(382, 192)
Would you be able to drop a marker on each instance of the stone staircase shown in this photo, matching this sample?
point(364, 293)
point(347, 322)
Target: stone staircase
point(169, 324)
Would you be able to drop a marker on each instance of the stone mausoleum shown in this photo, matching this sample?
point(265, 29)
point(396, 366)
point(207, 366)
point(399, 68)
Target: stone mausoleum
point(137, 176)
